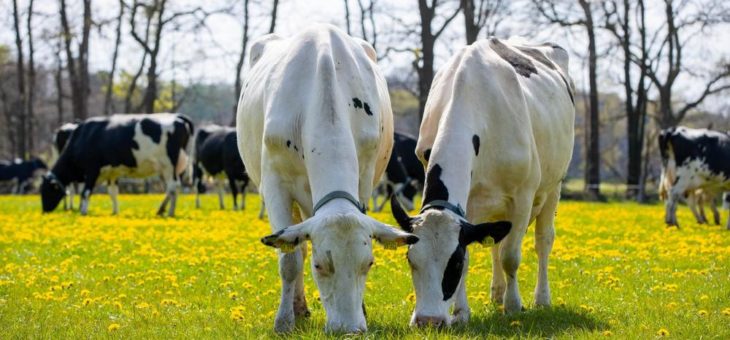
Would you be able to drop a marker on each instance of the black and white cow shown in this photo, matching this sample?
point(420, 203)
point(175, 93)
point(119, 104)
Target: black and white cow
point(692, 159)
point(216, 155)
point(103, 149)
point(315, 131)
point(21, 173)
point(404, 175)
point(496, 140)
point(60, 139)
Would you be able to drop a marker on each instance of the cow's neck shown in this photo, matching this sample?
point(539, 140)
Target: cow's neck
point(63, 169)
point(448, 177)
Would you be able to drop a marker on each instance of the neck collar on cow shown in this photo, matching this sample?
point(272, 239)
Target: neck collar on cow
point(54, 179)
point(441, 205)
point(338, 194)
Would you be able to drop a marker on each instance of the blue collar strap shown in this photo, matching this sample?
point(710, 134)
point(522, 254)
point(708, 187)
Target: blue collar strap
point(440, 204)
point(338, 194)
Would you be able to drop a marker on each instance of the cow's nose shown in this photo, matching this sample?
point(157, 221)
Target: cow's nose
point(433, 321)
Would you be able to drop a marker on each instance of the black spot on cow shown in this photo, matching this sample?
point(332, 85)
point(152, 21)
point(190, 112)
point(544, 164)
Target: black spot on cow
point(427, 154)
point(453, 271)
point(357, 103)
point(151, 129)
point(537, 55)
point(288, 143)
point(367, 109)
point(475, 142)
point(522, 65)
point(435, 188)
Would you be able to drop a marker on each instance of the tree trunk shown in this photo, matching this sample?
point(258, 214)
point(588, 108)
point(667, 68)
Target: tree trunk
point(108, 105)
point(241, 59)
point(31, 81)
point(78, 71)
point(20, 103)
point(593, 156)
point(58, 78)
point(347, 16)
point(273, 16)
point(425, 70)
point(471, 27)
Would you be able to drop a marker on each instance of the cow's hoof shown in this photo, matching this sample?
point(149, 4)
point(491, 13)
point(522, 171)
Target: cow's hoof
point(284, 324)
point(513, 307)
point(542, 299)
point(461, 316)
point(498, 294)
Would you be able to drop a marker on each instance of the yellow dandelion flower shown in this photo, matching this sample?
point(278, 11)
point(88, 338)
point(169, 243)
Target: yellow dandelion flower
point(662, 332)
point(607, 333)
point(704, 297)
point(411, 298)
point(726, 312)
point(233, 295)
point(142, 305)
point(87, 301)
point(113, 327)
point(672, 305)
point(702, 312)
point(118, 305)
point(515, 323)
point(84, 293)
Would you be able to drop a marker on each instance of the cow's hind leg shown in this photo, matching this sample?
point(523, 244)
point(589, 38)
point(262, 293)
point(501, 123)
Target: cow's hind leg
point(89, 182)
point(279, 205)
point(544, 238)
point(221, 194)
point(715, 212)
point(234, 191)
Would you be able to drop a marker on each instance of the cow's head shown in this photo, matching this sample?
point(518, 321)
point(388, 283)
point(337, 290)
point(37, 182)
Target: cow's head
point(52, 192)
point(341, 258)
point(438, 262)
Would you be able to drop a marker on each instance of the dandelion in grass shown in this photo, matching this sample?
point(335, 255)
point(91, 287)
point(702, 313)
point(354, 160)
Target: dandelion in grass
point(702, 312)
point(607, 333)
point(515, 323)
point(726, 312)
point(662, 332)
point(113, 327)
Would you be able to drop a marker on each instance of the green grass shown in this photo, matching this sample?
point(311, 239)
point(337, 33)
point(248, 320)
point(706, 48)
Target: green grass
point(615, 268)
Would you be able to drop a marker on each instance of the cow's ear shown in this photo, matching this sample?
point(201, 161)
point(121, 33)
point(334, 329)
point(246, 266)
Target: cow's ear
point(368, 48)
point(258, 47)
point(288, 238)
point(390, 237)
point(404, 221)
point(489, 233)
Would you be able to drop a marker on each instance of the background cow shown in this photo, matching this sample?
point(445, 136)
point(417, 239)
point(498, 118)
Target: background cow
point(315, 131)
point(21, 173)
point(404, 174)
point(692, 159)
point(496, 138)
point(103, 149)
point(60, 139)
point(216, 155)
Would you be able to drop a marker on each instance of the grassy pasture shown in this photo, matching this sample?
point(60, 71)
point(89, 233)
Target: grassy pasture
point(615, 271)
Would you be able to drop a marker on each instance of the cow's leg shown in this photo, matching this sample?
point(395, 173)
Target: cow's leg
point(89, 182)
point(510, 253)
point(544, 237)
point(221, 194)
point(498, 282)
point(715, 212)
point(243, 193)
point(163, 205)
point(113, 193)
point(172, 193)
point(692, 202)
point(234, 191)
point(196, 185)
point(262, 211)
point(670, 214)
point(279, 203)
point(462, 312)
point(71, 192)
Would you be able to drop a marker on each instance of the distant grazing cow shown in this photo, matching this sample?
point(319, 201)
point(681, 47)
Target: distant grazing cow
point(692, 159)
point(404, 174)
point(216, 155)
point(21, 172)
point(496, 138)
point(315, 131)
point(59, 142)
point(103, 149)
point(726, 205)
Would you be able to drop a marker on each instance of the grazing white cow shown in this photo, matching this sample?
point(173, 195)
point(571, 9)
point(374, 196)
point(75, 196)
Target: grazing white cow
point(315, 130)
point(692, 159)
point(496, 140)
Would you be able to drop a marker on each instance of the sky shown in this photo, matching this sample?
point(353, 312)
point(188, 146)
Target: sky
point(209, 55)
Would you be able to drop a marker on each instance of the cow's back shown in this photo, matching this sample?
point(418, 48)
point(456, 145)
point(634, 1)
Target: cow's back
point(308, 91)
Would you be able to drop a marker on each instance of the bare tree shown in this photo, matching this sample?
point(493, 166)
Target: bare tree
point(618, 21)
point(667, 62)
point(241, 58)
point(78, 67)
point(274, 9)
point(30, 121)
point(487, 15)
point(20, 103)
point(347, 16)
point(424, 66)
point(108, 105)
point(569, 16)
point(58, 80)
